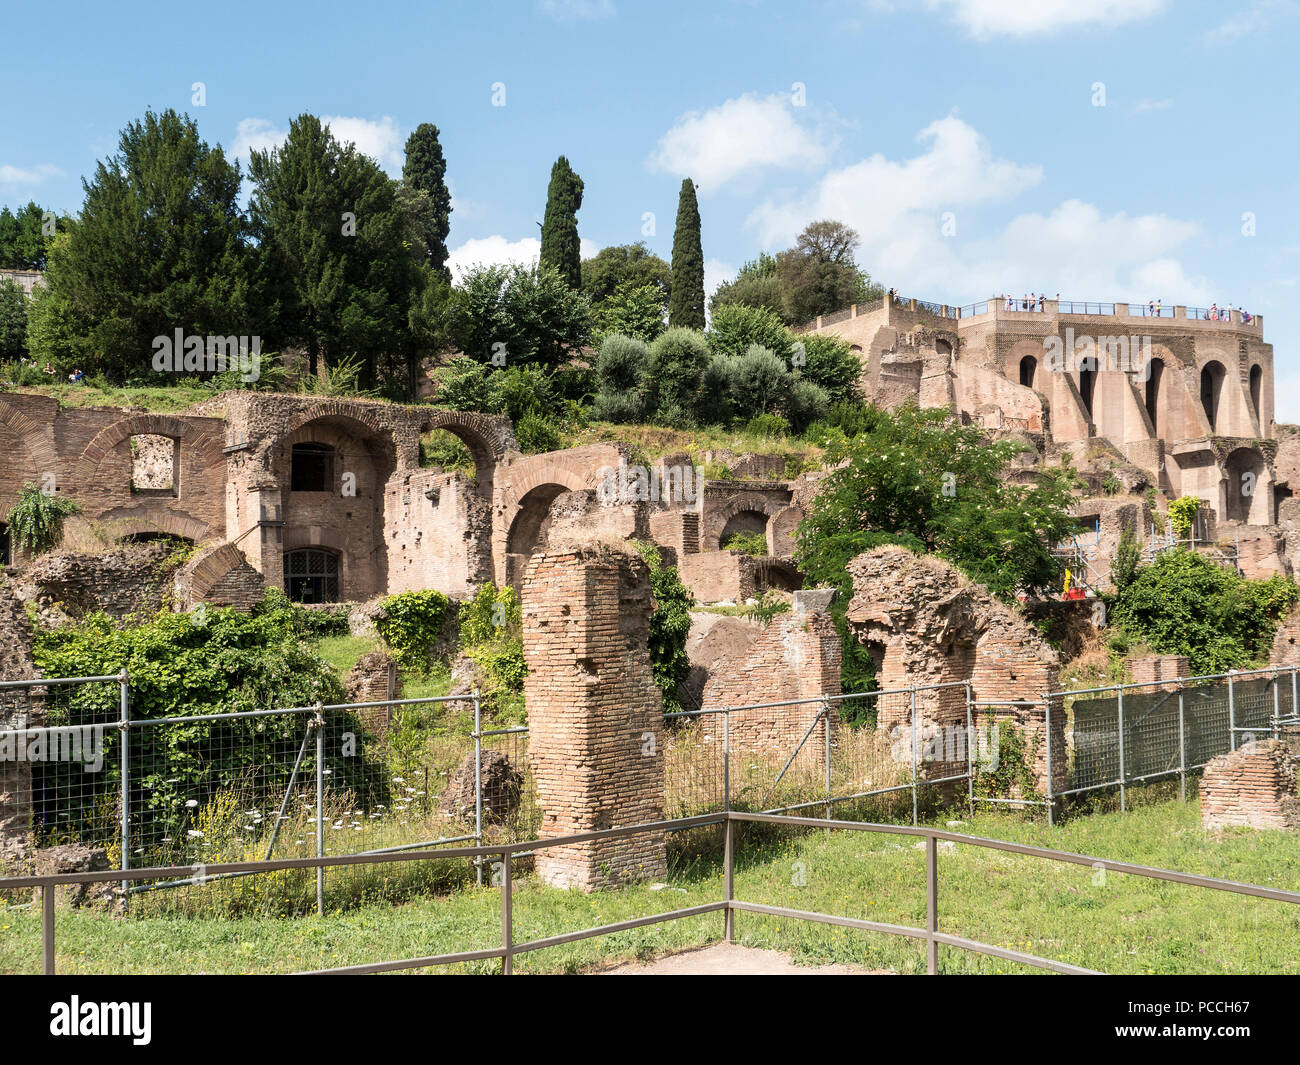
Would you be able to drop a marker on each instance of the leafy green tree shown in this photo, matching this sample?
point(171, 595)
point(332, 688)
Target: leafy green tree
point(736, 328)
point(425, 170)
point(633, 310)
point(760, 383)
point(676, 366)
point(561, 248)
point(36, 520)
point(508, 315)
point(621, 380)
point(918, 478)
point(670, 624)
point(13, 320)
point(829, 362)
point(756, 285)
point(819, 274)
point(334, 272)
point(686, 302)
point(634, 265)
point(24, 244)
point(1186, 604)
point(159, 245)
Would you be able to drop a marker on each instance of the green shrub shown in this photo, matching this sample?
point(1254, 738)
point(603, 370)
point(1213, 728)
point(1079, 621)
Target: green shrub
point(676, 366)
point(36, 520)
point(747, 543)
point(622, 394)
point(670, 624)
point(411, 624)
point(1186, 604)
point(768, 426)
point(1182, 512)
point(491, 636)
point(736, 328)
point(536, 434)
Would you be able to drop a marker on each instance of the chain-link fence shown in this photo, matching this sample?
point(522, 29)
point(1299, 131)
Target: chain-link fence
point(1131, 734)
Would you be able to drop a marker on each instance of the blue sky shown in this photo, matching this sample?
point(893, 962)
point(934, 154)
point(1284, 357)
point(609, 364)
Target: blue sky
point(962, 138)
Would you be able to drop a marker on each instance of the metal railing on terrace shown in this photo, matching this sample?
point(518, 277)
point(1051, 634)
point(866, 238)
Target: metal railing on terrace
point(729, 905)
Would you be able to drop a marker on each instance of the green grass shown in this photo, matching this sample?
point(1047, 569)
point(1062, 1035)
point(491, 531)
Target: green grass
point(158, 399)
point(1114, 923)
point(341, 652)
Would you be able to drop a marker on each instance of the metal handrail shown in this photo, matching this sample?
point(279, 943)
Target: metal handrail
point(729, 905)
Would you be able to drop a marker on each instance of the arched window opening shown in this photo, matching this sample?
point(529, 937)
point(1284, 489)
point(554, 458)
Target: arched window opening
point(1087, 382)
point(1212, 391)
point(311, 575)
point(1155, 372)
point(1256, 392)
point(1028, 371)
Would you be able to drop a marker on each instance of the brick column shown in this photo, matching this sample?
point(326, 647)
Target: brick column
point(595, 715)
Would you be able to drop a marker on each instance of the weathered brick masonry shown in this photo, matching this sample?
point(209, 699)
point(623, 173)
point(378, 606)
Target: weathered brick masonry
point(1254, 786)
point(595, 715)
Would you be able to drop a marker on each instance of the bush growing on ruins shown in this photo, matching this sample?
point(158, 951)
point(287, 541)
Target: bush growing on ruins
point(1128, 555)
point(831, 363)
point(537, 434)
point(670, 624)
point(491, 635)
point(1186, 604)
point(1182, 513)
point(411, 624)
point(676, 366)
point(736, 328)
point(759, 382)
point(208, 661)
point(747, 543)
point(36, 520)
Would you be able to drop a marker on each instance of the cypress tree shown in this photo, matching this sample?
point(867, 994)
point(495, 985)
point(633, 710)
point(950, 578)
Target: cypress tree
point(426, 170)
point(560, 247)
point(686, 303)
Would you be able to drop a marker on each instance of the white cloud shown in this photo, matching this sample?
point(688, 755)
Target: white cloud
point(497, 250)
point(984, 19)
point(27, 175)
point(899, 208)
point(747, 133)
point(577, 10)
point(715, 273)
point(957, 169)
point(1255, 18)
point(381, 139)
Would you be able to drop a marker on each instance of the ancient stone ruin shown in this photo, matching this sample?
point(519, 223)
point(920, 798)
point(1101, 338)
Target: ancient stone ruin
point(1253, 787)
point(926, 624)
point(595, 715)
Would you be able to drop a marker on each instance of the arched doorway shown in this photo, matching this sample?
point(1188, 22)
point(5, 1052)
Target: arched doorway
point(1087, 381)
point(1245, 503)
point(311, 575)
point(744, 523)
point(528, 531)
point(1212, 375)
point(1155, 371)
point(1028, 371)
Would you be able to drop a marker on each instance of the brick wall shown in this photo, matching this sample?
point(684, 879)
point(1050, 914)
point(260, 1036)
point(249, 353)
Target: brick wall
point(373, 679)
point(718, 576)
point(796, 657)
point(129, 581)
point(1156, 669)
point(595, 715)
point(1254, 786)
point(18, 709)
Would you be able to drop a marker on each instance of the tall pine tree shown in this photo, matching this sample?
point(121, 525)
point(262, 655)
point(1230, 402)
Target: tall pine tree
point(426, 170)
point(560, 246)
point(686, 303)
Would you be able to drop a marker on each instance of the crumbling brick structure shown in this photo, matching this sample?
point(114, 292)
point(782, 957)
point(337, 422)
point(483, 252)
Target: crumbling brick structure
point(926, 624)
point(595, 715)
point(794, 659)
point(1159, 670)
point(374, 679)
point(1253, 786)
point(20, 708)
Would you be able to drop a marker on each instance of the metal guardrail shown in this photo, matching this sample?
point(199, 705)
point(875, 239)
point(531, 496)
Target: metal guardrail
point(729, 904)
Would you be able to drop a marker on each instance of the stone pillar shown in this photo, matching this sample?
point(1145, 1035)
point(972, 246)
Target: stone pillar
point(595, 715)
point(1254, 786)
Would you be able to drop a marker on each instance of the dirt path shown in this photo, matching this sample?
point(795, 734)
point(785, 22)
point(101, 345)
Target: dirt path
point(729, 959)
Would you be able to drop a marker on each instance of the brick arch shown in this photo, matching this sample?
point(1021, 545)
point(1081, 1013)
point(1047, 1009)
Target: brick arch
point(159, 520)
point(746, 501)
point(198, 576)
point(31, 438)
point(205, 444)
point(779, 573)
point(366, 416)
point(489, 437)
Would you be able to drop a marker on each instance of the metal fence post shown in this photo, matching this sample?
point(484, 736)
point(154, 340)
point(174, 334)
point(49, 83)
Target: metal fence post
point(507, 915)
point(729, 881)
point(1277, 709)
point(478, 786)
point(320, 809)
point(971, 741)
point(931, 905)
point(1119, 710)
point(826, 726)
point(124, 727)
point(47, 929)
point(1182, 748)
point(915, 764)
point(1232, 714)
point(726, 760)
point(1295, 707)
point(1047, 717)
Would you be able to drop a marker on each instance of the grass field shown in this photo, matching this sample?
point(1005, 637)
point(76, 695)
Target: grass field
point(1111, 922)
